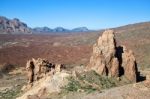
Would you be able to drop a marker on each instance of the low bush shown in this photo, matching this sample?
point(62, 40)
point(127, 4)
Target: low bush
point(88, 82)
point(4, 68)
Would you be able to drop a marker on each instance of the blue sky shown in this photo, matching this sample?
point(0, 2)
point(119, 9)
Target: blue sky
point(94, 14)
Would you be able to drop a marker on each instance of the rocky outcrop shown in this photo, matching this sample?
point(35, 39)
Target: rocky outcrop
point(44, 78)
point(129, 64)
point(13, 26)
point(45, 86)
point(109, 60)
point(38, 68)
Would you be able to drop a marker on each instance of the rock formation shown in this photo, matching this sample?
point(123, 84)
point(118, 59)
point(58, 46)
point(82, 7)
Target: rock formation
point(109, 60)
point(44, 78)
point(129, 64)
point(13, 26)
point(37, 69)
point(45, 86)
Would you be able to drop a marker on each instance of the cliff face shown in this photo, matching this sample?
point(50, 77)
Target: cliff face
point(109, 60)
point(8, 26)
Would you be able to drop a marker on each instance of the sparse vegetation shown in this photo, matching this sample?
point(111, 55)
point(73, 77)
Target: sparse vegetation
point(11, 82)
point(6, 67)
point(12, 93)
point(89, 82)
point(74, 49)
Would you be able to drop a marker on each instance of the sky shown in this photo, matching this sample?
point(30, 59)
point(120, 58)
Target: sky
point(94, 14)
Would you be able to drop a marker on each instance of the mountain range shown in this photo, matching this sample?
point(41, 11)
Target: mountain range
point(59, 29)
point(15, 26)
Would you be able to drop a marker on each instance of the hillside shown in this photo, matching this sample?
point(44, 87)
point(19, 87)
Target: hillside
point(131, 27)
point(72, 48)
point(136, 37)
point(74, 51)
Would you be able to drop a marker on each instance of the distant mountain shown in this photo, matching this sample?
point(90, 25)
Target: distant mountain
point(14, 26)
point(58, 30)
point(42, 29)
point(80, 29)
point(49, 30)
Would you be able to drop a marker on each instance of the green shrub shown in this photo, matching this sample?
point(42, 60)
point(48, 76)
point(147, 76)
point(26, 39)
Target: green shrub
point(11, 94)
point(89, 82)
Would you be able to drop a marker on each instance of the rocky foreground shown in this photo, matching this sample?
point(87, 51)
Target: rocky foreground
point(112, 65)
point(131, 91)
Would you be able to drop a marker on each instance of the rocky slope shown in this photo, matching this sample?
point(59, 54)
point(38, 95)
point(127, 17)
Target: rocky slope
point(107, 59)
point(131, 91)
point(13, 26)
point(142, 26)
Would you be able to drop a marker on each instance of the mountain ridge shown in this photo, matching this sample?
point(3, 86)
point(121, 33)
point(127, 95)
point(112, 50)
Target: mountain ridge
point(15, 26)
point(46, 29)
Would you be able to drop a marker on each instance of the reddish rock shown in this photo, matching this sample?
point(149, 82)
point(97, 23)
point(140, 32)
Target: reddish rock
point(115, 68)
point(129, 64)
point(109, 60)
point(103, 59)
point(38, 68)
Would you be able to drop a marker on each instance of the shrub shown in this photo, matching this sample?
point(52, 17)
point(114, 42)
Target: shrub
point(4, 68)
point(89, 82)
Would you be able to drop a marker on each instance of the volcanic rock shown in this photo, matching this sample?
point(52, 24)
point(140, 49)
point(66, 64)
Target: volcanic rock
point(43, 87)
point(109, 60)
point(38, 68)
point(13, 26)
point(129, 64)
point(44, 78)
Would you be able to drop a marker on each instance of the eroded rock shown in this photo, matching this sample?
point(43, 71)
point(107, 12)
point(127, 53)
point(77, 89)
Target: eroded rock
point(129, 64)
point(44, 78)
point(109, 60)
point(38, 68)
point(43, 87)
point(13, 26)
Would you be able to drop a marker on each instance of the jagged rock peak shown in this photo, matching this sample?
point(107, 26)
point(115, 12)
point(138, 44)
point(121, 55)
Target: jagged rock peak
point(13, 26)
point(109, 60)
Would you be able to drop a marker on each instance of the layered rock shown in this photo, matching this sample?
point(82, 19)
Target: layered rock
point(109, 60)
